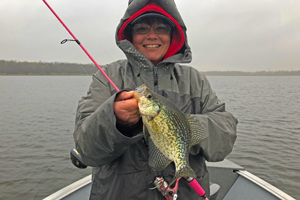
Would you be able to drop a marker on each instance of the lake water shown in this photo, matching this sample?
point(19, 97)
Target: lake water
point(37, 121)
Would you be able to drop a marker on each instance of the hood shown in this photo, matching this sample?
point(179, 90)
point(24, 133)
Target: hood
point(179, 51)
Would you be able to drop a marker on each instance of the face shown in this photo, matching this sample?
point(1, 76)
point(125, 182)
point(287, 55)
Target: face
point(153, 46)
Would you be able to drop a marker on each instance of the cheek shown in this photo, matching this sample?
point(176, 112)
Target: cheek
point(147, 108)
point(136, 40)
point(167, 41)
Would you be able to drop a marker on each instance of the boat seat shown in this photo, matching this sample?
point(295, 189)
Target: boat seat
point(214, 190)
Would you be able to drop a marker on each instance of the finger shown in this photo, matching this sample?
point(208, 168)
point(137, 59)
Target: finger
point(128, 104)
point(127, 111)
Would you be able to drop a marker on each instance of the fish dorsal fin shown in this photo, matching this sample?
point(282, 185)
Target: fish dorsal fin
point(197, 130)
point(157, 160)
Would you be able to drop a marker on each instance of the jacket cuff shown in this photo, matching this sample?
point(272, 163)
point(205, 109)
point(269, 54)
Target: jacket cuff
point(130, 131)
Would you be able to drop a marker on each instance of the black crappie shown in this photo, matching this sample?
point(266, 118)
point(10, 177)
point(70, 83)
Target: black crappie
point(171, 132)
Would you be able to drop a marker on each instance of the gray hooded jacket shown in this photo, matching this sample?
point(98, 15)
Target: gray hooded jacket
point(120, 158)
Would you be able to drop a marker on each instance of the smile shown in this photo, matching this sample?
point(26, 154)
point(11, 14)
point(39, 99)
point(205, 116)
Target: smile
point(152, 46)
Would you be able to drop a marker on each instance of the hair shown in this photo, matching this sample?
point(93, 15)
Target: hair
point(151, 20)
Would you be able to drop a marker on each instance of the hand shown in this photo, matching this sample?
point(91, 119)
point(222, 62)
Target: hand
point(126, 109)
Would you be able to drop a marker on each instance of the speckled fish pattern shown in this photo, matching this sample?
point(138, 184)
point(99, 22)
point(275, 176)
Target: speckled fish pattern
point(169, 132)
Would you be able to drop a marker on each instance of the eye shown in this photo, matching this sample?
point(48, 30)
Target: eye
point(163, 29)
point(149, 96)
point(141, 28)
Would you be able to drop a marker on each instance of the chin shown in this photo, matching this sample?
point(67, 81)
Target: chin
point(153, 58)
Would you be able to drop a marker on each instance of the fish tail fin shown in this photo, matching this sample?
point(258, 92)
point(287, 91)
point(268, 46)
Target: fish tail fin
point(185, 172)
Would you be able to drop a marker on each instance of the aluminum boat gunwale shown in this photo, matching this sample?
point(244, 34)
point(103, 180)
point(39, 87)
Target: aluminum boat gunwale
point(235, 184)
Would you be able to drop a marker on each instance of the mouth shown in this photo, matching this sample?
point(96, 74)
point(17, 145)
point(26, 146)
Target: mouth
point(152, 46)
point(139, 91)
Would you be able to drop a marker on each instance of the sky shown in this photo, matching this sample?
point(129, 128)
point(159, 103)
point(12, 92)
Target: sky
point(224, 35)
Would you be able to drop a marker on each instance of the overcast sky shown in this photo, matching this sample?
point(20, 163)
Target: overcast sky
point(224, 35)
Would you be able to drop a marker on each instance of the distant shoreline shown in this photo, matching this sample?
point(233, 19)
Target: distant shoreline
point(15, 68)
point(46, 74)
point(92, 74)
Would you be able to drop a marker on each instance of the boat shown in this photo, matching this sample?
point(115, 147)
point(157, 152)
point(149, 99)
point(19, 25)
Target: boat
point(229, 181)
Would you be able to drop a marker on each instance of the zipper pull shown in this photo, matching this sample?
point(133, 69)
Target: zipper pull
point(155, 71)
point(155, 76)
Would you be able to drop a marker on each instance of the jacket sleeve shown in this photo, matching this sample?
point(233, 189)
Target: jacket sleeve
point(219, 124)
point(96, 136)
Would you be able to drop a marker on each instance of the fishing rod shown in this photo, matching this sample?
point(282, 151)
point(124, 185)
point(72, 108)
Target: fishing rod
point(77, 41)
point(76, 157)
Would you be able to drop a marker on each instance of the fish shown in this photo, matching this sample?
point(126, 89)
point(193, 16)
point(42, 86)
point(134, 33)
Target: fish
point(170, 133)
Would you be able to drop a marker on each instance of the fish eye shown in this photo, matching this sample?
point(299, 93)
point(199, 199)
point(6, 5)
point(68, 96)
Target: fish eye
point(149, 96)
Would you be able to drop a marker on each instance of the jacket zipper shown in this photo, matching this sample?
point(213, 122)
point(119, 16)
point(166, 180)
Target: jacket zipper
point(155, 79)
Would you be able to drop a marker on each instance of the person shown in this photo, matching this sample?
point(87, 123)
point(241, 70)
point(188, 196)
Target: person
point(109, 131)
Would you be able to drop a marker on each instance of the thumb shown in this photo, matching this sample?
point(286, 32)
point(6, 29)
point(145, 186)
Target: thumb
point(124, 95)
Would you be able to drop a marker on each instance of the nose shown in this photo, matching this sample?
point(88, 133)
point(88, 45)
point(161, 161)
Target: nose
point(152, 33)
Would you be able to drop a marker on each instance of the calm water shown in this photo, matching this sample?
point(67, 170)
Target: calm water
point(37, 121)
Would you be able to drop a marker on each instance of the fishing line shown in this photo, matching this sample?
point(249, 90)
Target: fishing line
point(87, 53)
point(77, 41)
point(88, 32)
point(84, 69)
point(124, 74)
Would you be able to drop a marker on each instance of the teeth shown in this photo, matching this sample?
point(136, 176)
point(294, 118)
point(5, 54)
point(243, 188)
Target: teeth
point(151, 46)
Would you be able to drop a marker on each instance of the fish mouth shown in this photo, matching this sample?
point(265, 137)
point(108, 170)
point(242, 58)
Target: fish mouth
point(139, 91)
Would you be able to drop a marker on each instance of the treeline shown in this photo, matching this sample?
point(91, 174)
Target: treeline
point(43, 68)
point(258, 73)
point(59, 68)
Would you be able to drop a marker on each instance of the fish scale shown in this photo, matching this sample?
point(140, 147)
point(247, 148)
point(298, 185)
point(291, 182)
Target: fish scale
point(169, 132)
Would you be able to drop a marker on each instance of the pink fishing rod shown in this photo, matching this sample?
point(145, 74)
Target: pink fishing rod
point(87, 53)
point(196, 186)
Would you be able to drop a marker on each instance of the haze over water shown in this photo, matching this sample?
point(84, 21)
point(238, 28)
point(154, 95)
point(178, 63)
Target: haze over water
point(37, 123)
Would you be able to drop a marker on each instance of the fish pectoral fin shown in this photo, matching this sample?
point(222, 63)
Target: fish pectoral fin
point(197, 130)
point(146, 133)
point(157, 160)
